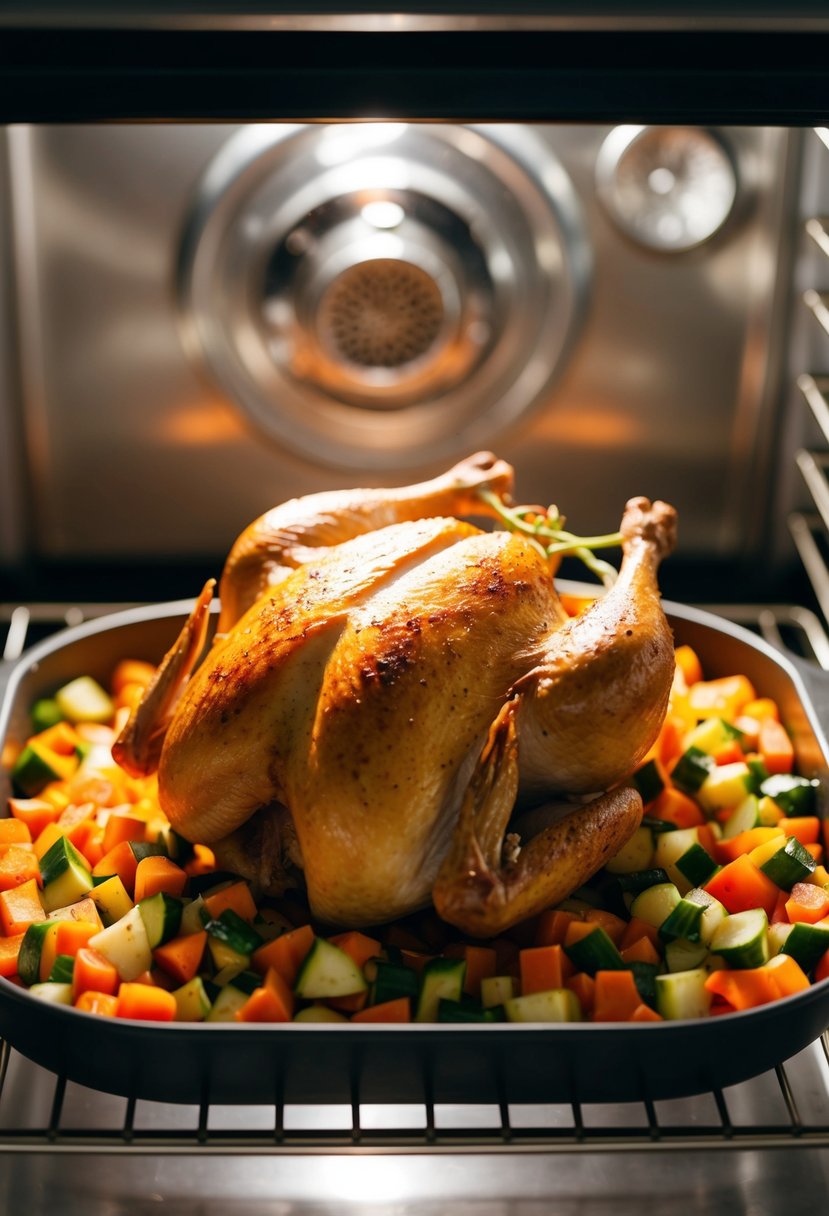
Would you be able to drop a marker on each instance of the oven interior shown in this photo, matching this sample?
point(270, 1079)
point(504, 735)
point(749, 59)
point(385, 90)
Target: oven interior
point(199, 319)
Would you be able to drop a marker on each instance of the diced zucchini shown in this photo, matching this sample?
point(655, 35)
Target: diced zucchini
point(192, 1001)
point(777, 937)
point(633, 856)
point(193, 916)
point(789, 864)
point(32, 951)
point(232, 931)
point(83, 700)
point(162, 917)
point(692, 769)
point(497, 990)
point(62, 969)
point(389, 981)
point(644, 975)
point(45, 713)
point(670, 846)
point(712, 735)
point(441, 979)
point(682, 994)
point(807, 944)
point(228, 973)
point(328, 971)
point(794, 795)
point(245, 981)
point(696, 865)
point(594, 952)
point(557, 1005)
point(468, 1010)
point(36, 767)
point(658, 826)
point(55, 994)
point(319, 1013)
point(111, 899)
point(226, 1004)
point(683, 921)
point(649, 781)
point(682, 955)
point(744, 817)
point(742, 939)
point(713, 914)
point(126, 945)
point(724, 786)
point(66, 877)
point(656, 903)
point(226, 960)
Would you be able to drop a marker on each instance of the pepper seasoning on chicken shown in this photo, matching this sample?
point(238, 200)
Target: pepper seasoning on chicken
point(387, 683)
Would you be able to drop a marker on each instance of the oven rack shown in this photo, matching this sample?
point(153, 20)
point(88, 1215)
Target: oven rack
point(44, 1113)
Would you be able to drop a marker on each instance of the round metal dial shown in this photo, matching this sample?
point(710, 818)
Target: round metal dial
point(669, 188)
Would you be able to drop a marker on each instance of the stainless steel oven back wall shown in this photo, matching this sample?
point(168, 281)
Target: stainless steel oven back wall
point(213, 318)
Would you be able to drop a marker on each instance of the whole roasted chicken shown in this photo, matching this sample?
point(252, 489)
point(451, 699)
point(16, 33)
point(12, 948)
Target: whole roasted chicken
point(387, 683)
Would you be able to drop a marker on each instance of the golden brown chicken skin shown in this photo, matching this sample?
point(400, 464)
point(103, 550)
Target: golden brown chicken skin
point(378, 710)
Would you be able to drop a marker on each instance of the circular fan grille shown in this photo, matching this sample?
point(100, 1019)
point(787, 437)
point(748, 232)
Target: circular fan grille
point(383, 313)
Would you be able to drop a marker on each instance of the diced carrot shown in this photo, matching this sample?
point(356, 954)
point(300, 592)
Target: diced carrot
point(642, 951)
point(181, 956)
point(398, 1010)
point(36, 813)
point(739, 885)
point(746, 842)
point(807, 903)
point(93, 846)
point(761, 709)
point(285, 953)
point(73, 935)
point(204, 861)
point(154, 874)
point(576, 930)
point(480, 965)
point(121, 827)
point(616, 996)
point(816, 850)
point(675, 807)
point(805, 827)
point(775, 746)
point(93, 973)
point(47, 838)
point(237, 897)
point(688, 663)
point(584, 986)
point(821, 971)
point(20, 907)
point(722, 698)
point(779, 915)
point(273, 1002)
point(98, 1002)
point(637, 929)
point(551, 927)
point(9, 950)
point(543, 968)
point(14, 831)
point(146, 1003)
point(749, 728)
point(670, 739)
point(358, 946)
point(418, 961)
point(73, 814)
point(644, 1013)
point(131, 671)
point(353, 1003)
point(60, 738)
point(613, 925)
point(129, 696)
point(120, 861)
point(752, 986)
point(18, 864)
point(706, 838)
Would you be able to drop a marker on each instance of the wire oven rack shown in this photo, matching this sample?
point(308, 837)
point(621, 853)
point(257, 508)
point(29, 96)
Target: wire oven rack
point(56, 1136)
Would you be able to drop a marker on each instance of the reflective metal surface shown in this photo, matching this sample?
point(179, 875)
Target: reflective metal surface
point(669, 386)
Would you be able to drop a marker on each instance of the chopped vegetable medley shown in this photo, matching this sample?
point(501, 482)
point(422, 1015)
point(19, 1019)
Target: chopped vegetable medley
point(719, 901)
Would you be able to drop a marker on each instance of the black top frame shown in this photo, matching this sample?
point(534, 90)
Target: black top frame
point(536, 62)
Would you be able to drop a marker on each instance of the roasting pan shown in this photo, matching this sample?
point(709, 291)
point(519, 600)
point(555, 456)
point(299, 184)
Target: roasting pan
point(318, 1063)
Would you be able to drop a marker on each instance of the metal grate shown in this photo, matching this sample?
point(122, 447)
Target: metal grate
point(40, 1112)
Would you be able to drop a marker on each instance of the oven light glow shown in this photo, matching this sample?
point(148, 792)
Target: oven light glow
point(342, 143)
point(661, 180)
point(382, 213)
